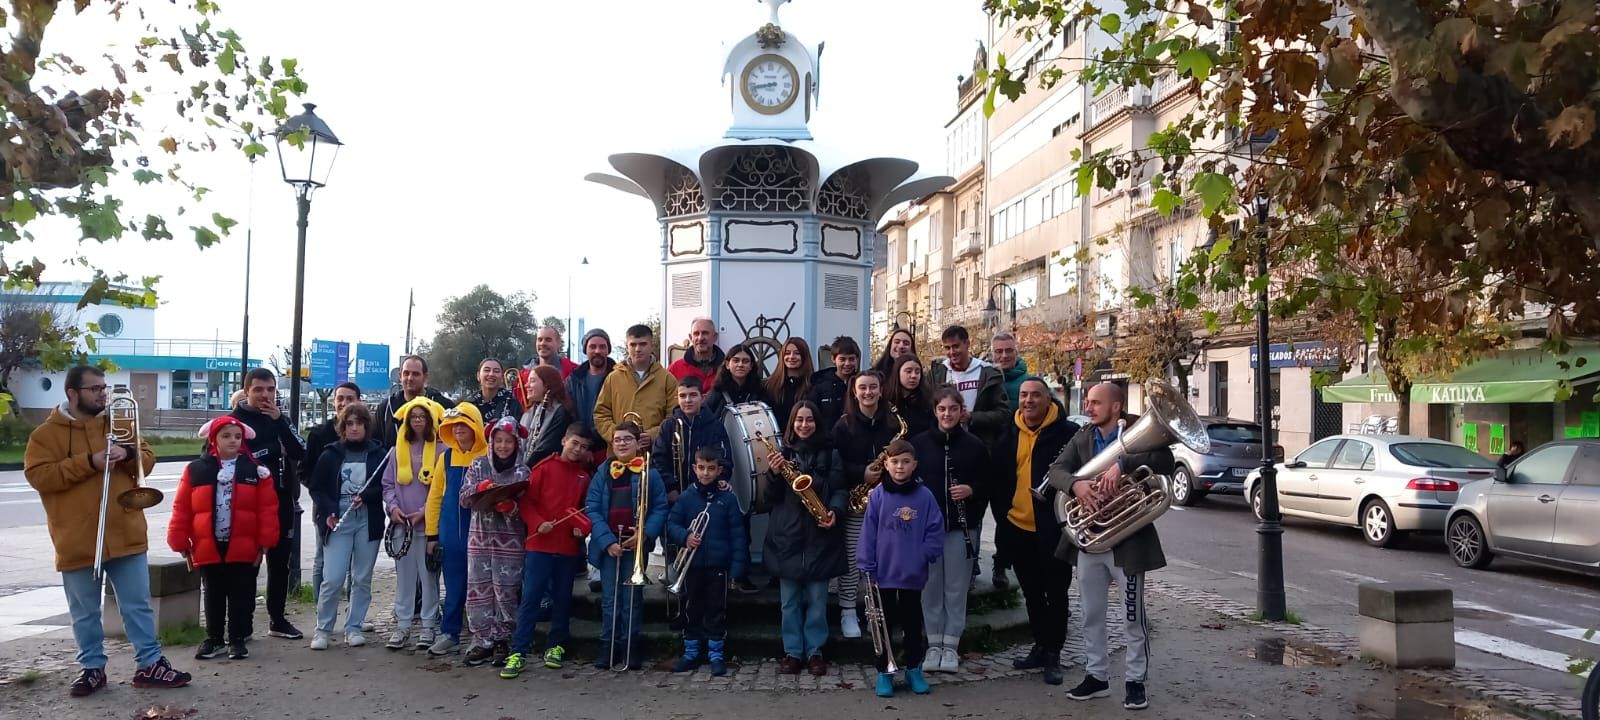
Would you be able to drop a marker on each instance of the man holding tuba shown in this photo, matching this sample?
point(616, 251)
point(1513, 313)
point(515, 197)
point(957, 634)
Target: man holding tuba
point(1126, 563)
point(68, 462)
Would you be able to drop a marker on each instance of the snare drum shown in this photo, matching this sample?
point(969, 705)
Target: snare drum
point(743, 421)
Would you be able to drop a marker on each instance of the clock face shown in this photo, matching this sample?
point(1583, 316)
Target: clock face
point(770, 84)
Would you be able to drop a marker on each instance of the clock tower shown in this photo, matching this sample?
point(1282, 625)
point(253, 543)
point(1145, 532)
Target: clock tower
point(773, 83)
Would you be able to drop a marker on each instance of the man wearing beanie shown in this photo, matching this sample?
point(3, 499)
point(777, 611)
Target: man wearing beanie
point(583, 385)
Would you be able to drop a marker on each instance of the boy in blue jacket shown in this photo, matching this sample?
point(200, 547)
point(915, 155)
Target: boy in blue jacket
point(612, 505)
point(721, 550)
point(901, 535)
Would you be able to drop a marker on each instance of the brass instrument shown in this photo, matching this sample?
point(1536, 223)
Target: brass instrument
point(800, 483)
point(859, 493)
point(513, 380)
point(878, 626)
point(1142, 495)
point(636, 578)
point(122, 414)
point(678, 468)
point(680, 566)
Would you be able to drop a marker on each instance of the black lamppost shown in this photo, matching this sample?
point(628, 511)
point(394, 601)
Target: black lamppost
point(306, 151)
point(991, 311)
point(1270, 599)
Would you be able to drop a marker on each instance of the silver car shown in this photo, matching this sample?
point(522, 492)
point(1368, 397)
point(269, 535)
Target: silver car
point(1386, 485)
point(1544, 508)
point(1235, 451)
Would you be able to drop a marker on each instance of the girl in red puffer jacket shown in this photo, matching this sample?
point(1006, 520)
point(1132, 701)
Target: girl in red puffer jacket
point(224, 518)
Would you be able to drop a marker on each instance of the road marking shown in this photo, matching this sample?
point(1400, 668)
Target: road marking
point(1358, 577)
point(1577, 634)
point(1517, 618)
point(1511, 649)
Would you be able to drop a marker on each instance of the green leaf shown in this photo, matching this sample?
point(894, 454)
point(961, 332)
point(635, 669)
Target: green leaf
point(1214, 189)
point(1194, 62)
point(203, 236)
point(1220, 248)
point(223, 222)
point(22, 211)
point(1210, 317)
point(90, 342)
point(255, 150)
point(226, 60)
point(1111, 23)
point(289, 65)
point(1165, 201)
point(145, 176)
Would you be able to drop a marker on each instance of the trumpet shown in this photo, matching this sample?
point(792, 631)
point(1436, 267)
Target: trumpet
point(680, 566)
point(878, 626)
point(859, 493)
point(799, 482)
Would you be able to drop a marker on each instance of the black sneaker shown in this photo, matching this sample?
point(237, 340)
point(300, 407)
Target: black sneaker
point(89, 681)
point(1034, 659)
point(502, 650)
point(282, 628)
point(160, 674)
point(1091, 687)
point(237, 650)
point(1052, 673)
point(1000, 579)
point(746, 587)
point(478, 655)
point(208, 649)
point(1133, 696)
point(594, 586)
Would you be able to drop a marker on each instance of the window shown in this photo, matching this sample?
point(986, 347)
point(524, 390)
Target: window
point(1438, 455)
point(1219, 389)
point(1588, 470)
point(1355, 455)
point(1069, 34)
point(1545, 466)
point(936, 299)
point(1317, 455)
point(1234, 433)
point(180, 389)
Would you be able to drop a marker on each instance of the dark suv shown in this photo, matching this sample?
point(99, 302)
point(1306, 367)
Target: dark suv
point(1235, 451)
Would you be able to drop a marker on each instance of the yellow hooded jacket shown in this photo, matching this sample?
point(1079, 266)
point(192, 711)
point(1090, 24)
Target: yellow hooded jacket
point(459, 456)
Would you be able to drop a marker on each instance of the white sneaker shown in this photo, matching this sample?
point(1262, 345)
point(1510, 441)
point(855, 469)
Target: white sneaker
point(425, 638)
point(367, 626)
point(443, 645)
point(848, 625)
point(950, 661)
point(319, 640)
point(397, 639)
point(354, 639)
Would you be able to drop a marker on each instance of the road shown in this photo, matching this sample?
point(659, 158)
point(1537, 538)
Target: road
point(1514, 620)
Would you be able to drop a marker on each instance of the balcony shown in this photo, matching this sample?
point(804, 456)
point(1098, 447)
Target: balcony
point(970, 246)
point(167, 348)
point(1114, 100)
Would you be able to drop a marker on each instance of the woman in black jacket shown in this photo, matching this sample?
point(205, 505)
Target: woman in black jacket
point(791, 382)
point(346, 477)
point(909, 393)
point(739, 381)
point(799, 551)
point(952, 463)
point(549, 417)
point(865, 429)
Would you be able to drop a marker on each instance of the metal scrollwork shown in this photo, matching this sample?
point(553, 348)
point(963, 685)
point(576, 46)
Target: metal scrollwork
point(843, 195)
point(684, 196)
point(764, 179)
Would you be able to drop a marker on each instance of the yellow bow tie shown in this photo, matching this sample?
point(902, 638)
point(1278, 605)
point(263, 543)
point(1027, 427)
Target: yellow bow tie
point(634, 465)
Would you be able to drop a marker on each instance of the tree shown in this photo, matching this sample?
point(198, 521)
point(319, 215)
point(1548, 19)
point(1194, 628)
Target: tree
point(1058, 350)
point(1453, 137)
point(1158, 339)
point(480, 324)
point(75, 132)
point(552, 321)
point(34, 335)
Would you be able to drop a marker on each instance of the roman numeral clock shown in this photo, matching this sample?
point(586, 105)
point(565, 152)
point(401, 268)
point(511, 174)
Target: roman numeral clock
point(774, 83)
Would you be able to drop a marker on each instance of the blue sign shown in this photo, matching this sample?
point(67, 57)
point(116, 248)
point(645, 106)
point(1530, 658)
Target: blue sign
point(1304, 354)
point(173, 362)
point(323, 354)
point(372, 367)
point(341, 363)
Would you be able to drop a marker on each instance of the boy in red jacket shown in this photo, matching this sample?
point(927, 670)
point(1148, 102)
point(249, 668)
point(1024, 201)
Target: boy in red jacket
point(552, 509)
point(224, 519)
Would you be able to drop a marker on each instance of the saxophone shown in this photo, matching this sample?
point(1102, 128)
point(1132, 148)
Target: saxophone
point(859, 493)
point(799, 483)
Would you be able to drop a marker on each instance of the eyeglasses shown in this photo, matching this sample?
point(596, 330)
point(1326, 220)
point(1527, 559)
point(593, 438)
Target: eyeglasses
point(92, 388)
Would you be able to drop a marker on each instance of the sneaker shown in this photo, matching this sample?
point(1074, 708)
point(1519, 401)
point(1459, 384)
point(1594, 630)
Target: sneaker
point(594, 586)
point(237, 651)
point(160, 674)
point(1052, 673)
point(478, 655)
point(367, 626)
point(425, 639)
point(817, 666)
point(1091, 687)
point(319, 641)
point(444, 645)
point(555, 657)
point(918, 681)
point(513, 667)
point(208, 649)
point(950, 661)
point(282, 628)
point(89, 681)
point(1000, 579)
point(1133, 696)
point(397, 639)
point(849, 626)
point(885, 687)
point(1034, 659)
point(719, 668)
point(789, 665)
point(743, 585)
point(502, 650)
point(354, 638)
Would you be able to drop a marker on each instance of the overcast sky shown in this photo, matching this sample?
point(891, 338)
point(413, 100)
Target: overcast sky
point(468, 133)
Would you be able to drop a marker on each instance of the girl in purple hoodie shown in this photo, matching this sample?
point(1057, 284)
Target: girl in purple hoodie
point(901, 535)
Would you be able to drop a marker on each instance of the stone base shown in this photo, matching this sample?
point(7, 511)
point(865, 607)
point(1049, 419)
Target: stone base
point(171, 611)
point(1409, 645)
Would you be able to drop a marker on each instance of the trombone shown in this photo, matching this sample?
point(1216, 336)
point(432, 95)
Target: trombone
point(122, 428)
point(636, 578)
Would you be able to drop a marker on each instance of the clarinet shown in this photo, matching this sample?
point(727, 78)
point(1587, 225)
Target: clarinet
point(959, 505)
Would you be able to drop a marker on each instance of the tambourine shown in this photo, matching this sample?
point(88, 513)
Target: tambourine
point(390, 546)
point(486, 500)
point(435, 560)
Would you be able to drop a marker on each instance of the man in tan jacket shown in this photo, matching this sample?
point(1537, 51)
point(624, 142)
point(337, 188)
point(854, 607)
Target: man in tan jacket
point(66, 462)
point(640, 385)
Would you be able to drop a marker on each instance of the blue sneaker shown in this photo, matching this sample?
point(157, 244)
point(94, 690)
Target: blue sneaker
point(885, 685)
point(919, 683)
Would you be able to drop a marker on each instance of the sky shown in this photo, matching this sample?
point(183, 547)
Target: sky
point(468, 128)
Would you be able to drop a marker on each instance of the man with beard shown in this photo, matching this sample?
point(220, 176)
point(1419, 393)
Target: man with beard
point(583, 385)
point(547, 346)
point(1013, 369)
point(493, 398)
point(413, 383)
point(704, 358)
point(275, 440)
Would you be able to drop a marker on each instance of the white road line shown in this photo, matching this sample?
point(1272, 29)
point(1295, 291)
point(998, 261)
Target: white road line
point(1576, 634)
point(1514, 650)
point(1519, 619)
point(1358, 577)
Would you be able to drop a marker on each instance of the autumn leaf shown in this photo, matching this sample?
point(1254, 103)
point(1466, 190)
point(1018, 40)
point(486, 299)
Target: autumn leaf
point(1199, 13)
point(169, 144)
point(1344, 65)
point(1575, 126)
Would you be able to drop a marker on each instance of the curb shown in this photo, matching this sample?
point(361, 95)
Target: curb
point(1532, 700)
point(160, 459)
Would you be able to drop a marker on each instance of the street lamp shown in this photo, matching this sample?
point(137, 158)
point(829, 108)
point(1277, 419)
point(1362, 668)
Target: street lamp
point(1270, 599)
point(306, 151)
point(991, 311)
point(583, 264)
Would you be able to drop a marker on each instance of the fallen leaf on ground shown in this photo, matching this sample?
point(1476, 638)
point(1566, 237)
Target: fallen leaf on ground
point(846, 685)
point(1214, 626)
point(164, 712)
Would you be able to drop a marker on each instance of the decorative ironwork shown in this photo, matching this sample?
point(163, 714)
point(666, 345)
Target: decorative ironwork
point(764, 179)
point(844, 195)
point(771, 36)
point(765, 336)
point(683, 195)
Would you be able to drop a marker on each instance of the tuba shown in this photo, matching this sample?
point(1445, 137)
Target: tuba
point(800, 483)
point(860, 493)
point(1143, 495)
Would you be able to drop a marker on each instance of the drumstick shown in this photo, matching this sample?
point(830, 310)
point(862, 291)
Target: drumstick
point(572, 514)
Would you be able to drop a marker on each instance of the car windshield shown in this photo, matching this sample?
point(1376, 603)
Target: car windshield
point(1438, 455)
point(1234, 433)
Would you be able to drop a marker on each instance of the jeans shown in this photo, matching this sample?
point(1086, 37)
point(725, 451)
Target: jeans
point(348, 551)
point(411, 574)
point(805, 616)
point(944, 598)
point(612, 594)
point(230, 599)
point(130, 577)
point(545, 573)
point(455, 588)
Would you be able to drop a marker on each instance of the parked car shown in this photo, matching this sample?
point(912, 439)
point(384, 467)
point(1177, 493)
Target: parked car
point(1544, 508)
point(1386, 485)
point(1235, 451)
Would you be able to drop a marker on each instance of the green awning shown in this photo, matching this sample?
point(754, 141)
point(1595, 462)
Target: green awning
point(1516, 376)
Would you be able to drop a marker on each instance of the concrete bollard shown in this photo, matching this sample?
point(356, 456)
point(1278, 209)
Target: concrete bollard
point(1408, 625)
point(174, 596)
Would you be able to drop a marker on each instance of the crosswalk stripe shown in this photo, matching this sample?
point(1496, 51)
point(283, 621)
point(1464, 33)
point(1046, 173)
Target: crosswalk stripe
point(1495, 645)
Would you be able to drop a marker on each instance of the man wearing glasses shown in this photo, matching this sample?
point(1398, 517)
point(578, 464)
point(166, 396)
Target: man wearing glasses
point(66, 462)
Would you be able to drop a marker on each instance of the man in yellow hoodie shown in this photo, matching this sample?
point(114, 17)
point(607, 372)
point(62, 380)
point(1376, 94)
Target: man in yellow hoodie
point(638, 385)
point(66, 461)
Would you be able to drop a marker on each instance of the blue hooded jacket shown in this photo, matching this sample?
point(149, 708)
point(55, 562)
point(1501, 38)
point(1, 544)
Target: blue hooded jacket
point(724, 546)
point(598, 507)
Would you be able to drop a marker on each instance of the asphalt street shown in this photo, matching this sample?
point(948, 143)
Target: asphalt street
point(1517, 620)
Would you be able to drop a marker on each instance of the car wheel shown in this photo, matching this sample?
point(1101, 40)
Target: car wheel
point(1183, 492)
point(1469, 547)
point(1255, 501)
point(1377, 524)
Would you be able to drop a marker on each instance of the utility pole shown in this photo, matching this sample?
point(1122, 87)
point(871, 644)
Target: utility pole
point(411, 302)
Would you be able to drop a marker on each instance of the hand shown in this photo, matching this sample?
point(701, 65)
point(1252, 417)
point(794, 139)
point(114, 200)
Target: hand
point(115, 453)
point(545, 527)
point(631, 543)
point(724, 486)
point(416, 518)
point(396, 516)
point(355, 502)
point(432, 546)
point(828, 521)
point(577, 533)
point(960, 492)
point(693, 542)
point(774, 459)
point(614, 550)
point(1108, 481)
point(332, 521)
point(272, 411)
point(873, 475)
point(672, 496)
point(1085, 493)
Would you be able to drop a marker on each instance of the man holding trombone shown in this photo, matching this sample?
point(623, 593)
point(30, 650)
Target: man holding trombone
point(80, 475)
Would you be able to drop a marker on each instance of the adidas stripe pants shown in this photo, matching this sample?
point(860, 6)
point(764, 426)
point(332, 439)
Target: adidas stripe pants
point(1096, 573)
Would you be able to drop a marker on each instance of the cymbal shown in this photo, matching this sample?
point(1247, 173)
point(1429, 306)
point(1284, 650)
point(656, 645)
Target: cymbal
point(486, 500)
